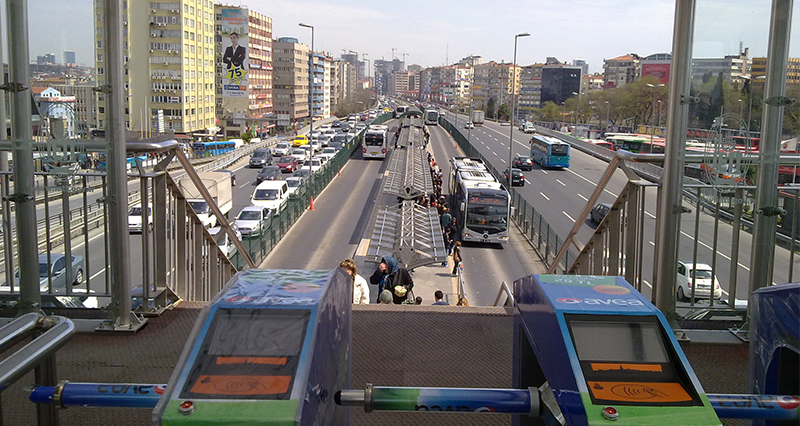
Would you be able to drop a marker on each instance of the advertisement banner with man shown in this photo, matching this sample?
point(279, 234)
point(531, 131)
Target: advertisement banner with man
point(235, 62)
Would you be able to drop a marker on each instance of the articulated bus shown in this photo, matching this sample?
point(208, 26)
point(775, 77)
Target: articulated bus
point(550, 152)
point(481, 205)
point(432, 117)
point(375, 143)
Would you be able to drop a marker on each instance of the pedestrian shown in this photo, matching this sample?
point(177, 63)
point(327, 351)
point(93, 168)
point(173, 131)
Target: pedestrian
point(439, 296)
point(393, 277)
point(456, 257)
point(445, 219)
point(360, 286)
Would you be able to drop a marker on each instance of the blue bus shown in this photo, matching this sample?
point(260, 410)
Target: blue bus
point(216, 147)
point(550, 152)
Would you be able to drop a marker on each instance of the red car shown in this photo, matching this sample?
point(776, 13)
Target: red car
point(288, 164)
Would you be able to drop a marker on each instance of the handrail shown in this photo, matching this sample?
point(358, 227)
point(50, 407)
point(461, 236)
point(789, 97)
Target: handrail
point(59, 330)
point(504, 288)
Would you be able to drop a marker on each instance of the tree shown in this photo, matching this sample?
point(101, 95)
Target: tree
point(550, 111)
point(490, 105)
point(504, 112)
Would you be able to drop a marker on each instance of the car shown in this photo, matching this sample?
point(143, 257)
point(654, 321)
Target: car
point(704, 279)
point(517, 178)
point(522, 162)
point(271, 194)
point(322, 159)
point(281, 149)
point(288, 164)
point(328, 152)
point(224, 241)
point(299, 140)
point(316, 145)
point(135, 219)
point(345, 127)
point(469, 125)
point(336, 145)
point(360, 127)
point(314, 163)
point(253, 220)
point(269, 173)
point(299, 154)
point(599, 212)
point(364, 117)
point(55, 272)
point(302, 173)
point(340, 137)
point(505, 123)
point(336, 123)
point(294, 183)
point(324, 127)
point(261, 157)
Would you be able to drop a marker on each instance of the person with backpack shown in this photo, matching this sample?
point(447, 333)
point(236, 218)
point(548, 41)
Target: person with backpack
point(393, 277)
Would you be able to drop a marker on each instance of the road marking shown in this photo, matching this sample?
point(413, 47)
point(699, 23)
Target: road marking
point(503, 160)
point(647, 284)
point(96, 274)
point(568, 216)
point(652, 243)
point(545, 196)
point(544, 171)
point(587, 180)
point(584, 198)
point(495, 154)
point(562, 183)
point(90, 240)
point(710, 248)
point(244, 184)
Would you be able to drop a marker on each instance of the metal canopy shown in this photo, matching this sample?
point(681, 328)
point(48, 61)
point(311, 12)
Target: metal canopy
point(401, 227)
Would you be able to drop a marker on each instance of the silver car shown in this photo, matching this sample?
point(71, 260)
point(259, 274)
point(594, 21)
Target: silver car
point(55, 273)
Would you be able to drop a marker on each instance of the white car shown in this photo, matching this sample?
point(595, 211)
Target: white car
point(324, 127)
point(316, 145)
point(294, 183)
point(253, 220)
point(300, 154)
point(282, 149)
point(271, 194)
point(328, 152)
point(704, 279)
point(224, 241)
point(135, 219)
point(314, 163)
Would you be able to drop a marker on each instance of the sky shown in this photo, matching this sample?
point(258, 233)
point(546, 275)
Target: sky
point(439, 32)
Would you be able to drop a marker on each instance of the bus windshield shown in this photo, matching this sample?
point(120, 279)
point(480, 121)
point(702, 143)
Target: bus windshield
point(487, 214)
point(559, 149)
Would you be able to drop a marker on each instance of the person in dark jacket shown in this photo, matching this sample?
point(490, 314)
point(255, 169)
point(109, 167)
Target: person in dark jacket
point(389, 276)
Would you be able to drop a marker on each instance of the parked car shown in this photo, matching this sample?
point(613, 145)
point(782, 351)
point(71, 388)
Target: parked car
point(522, 162)
point(288, 164)
point(599, 212)
point(135, 219)
point(56, 272)
point(253, 220)
point(224, 241)
point(269, 173)
point(517, 178)
point(704, 279)
point(260, 158)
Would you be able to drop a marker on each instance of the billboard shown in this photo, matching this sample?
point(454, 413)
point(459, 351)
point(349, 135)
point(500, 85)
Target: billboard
point(235, 61)
point(661, 71)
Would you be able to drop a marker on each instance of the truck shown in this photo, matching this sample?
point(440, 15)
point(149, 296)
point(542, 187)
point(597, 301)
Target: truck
point(221, 190)
point(477, 117)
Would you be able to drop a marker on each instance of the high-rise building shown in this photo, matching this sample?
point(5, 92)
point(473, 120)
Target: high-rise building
point(347, 81)
point(169, 73)
point(244, 99)
point(621, 70)
point(732, 67)
point(290, 81)
point(69, 57)
point(580, 62)
point(559, 83)
point(47, 58)
point(530, 90)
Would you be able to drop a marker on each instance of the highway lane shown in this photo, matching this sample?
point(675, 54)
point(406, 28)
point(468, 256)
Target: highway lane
point(560, 195)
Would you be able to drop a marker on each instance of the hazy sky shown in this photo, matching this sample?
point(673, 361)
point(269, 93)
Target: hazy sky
point(435, 32)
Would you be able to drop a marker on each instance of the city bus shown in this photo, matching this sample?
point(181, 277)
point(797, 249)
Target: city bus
point(216, 147)
point(375, 142)
point(550, 152)
point(400, 110)
point(432, 117)
point(481, 205)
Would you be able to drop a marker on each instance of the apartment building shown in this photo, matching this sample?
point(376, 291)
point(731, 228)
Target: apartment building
point(290, 81)
point(621, 70)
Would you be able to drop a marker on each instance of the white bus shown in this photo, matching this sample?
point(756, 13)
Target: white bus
point(481, 205)
point(432, 117)
point(400, 110)
point(375, 142)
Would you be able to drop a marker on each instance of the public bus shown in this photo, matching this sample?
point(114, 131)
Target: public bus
point(630, 142)
point(481, 205)
point(400, 110)
point(375, 142)
point(432, 117)
point(216, 147)
point(602, 144)
point(550, 152)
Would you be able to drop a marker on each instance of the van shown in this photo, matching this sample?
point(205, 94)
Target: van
point(271, 194)
point(261, 157)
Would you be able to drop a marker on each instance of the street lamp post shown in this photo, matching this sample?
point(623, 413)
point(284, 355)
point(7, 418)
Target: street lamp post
point(605, 127)
point(658, 119)
point(653, 130)
point(310, 83)
point(513, 101)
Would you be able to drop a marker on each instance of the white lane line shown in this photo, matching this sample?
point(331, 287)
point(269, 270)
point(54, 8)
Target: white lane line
point(545, 196)
point(709, 247)
point(648, 213)
point(97, 273)
point(567, 215)
point(652, 243)
point(503, 160)
point(587, 180)
point(562, 183)
point(244, 184)
point(495, 154)
point(544, 171)
point(90, 240)
point(584, 198)
point(647, 283)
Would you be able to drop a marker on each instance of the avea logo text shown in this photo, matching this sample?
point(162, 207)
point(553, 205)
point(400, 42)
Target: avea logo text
point(600, 302)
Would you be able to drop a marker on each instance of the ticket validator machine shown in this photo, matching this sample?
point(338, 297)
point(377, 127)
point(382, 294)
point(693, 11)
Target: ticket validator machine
point(270, 349)
point(606, 353)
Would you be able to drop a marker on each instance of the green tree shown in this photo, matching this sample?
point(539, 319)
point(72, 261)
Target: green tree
point(550, 111)
point(490, 106)
point(504, 112)
point(246, 136)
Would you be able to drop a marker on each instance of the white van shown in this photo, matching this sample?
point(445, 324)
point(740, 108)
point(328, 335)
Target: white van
point(272, 194)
